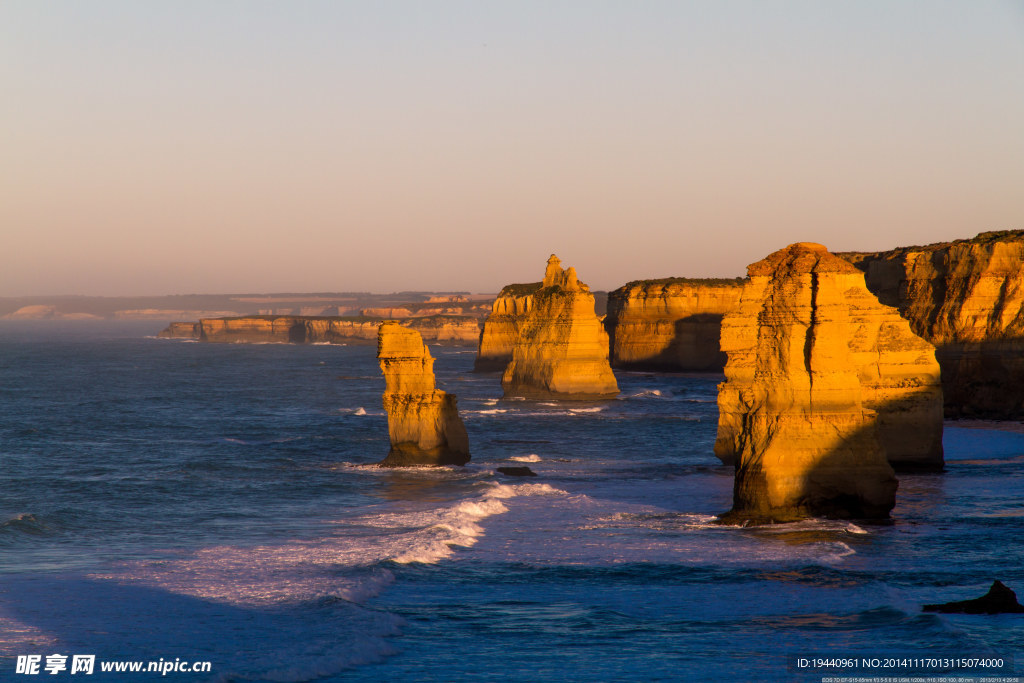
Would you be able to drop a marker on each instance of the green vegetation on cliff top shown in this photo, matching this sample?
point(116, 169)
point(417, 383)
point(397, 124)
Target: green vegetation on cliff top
point(704, 282)
point(520, 289)
point(982, 238)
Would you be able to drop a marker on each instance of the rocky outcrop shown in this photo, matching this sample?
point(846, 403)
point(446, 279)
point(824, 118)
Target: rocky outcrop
point(264, 329)
point(824, 386)
point(671, 324)
point(423, 422)
point(501, 327)
point(998, 600)
point(181, 331)
point(967, 298)
point(561, 350)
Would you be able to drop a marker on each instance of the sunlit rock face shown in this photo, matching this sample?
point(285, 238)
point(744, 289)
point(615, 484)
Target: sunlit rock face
point(561, 350)
point(671, 324)
point(824, 385)
point(263, 329)
point(423, 422)
point(501, 327)
point(967, 298)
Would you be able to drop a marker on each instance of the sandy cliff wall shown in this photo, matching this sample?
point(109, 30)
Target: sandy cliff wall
point(423, 422)
point(317, 330)
point(501, 327)
point(967, 298)
point(821, 379)
point(670, 324)
point(561, 350)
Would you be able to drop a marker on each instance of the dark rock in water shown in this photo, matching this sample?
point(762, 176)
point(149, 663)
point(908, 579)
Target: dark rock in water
point(998, 600)
point(517, 471)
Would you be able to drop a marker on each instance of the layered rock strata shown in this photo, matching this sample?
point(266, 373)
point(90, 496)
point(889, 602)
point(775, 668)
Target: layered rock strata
point(967, 298)
point(264, 329)
point(423, 421)
point(501, 327)
point(824, 386)
point(670, 325)
point(561, 349)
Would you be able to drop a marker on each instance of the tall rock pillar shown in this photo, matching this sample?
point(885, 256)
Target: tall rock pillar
point(423, 422)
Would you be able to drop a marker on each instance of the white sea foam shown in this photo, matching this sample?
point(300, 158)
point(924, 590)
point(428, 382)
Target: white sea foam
point(360, 411)
point(532, 457)
point(577, 411)
point(643, 393)
point(491, 411)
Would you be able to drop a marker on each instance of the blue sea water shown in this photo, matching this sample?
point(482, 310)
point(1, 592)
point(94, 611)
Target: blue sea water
point(164, 499)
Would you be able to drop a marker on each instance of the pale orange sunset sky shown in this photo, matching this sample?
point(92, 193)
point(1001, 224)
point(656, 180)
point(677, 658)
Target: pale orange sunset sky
point(194, 146)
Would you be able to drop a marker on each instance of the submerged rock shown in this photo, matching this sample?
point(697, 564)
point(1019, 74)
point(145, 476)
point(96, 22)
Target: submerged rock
point(522, 471)
point(561, 350)
point(820, 379)
point(423, 422)
point(998, 600)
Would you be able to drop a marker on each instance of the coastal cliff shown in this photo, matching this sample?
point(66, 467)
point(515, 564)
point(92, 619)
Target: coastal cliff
point(262, 329)
point(671, 324)
point(824, 386)
point(561, 350)
point(423, 421)
point(501, 327)
point(967, 298)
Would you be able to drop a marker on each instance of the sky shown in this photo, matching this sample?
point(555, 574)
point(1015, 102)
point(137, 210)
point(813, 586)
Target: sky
point(192, 146)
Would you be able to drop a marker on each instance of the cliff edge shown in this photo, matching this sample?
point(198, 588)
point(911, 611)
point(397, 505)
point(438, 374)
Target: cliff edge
point(501, 327)
point(967, 298)
point(671, 324)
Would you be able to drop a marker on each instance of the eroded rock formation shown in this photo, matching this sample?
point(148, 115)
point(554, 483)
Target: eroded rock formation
point(257, 329)
point(999, 600)
point(501, 328)
point(824, 385)
point(423, 421)
point(561, 350)
point(671, 324)
point(967, 298)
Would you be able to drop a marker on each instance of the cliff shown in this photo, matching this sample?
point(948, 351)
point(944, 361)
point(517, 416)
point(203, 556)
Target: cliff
point(181, 331)
point(561, 349)
point(501, 327)
point(282, 329)
point(967, 298)
point(423, 422)
point(671, 324)
point(823, 386)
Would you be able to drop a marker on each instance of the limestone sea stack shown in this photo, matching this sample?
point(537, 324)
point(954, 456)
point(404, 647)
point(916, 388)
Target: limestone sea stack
point(561, 350)
point(967, 298)
point(423, 422)
point(812, 294)
point(501, 327)
point(671, 324)
point(808, 372)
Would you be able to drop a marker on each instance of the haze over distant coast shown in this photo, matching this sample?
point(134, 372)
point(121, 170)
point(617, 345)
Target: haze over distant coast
point(162, 148)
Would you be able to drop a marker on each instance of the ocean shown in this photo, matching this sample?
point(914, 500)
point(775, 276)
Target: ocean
point(177, 502)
